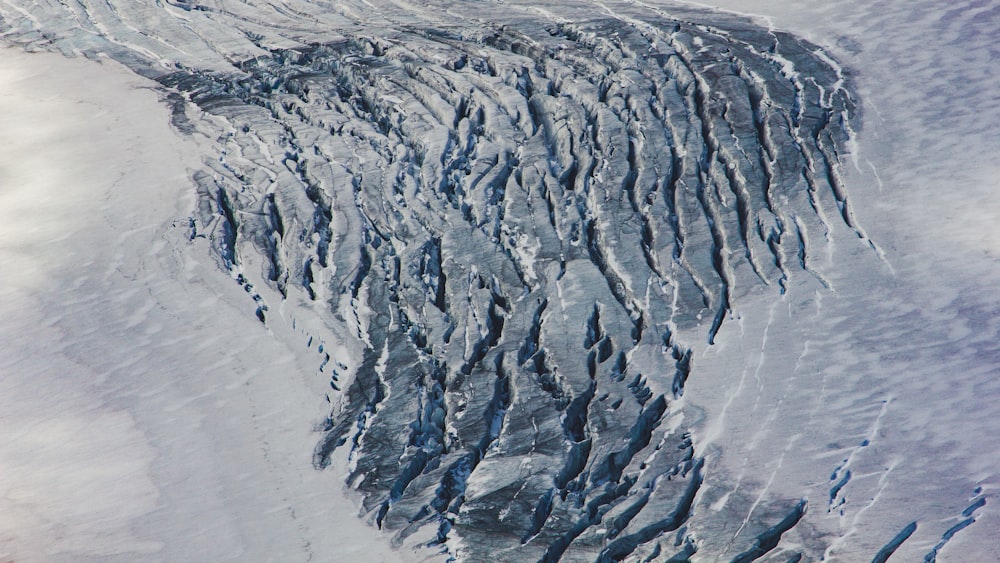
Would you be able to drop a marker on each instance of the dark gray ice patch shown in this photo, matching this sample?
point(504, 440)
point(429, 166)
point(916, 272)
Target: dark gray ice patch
point(664, 155)
point(528, 222)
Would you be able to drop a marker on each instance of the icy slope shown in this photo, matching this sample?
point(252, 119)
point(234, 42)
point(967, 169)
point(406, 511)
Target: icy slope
point(587, 281)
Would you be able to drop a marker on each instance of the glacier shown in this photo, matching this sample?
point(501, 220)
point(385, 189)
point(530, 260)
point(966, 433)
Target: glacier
point(498, 281)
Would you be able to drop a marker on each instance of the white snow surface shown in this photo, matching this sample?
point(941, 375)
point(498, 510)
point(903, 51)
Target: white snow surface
point(901, 355)
point(145, 415)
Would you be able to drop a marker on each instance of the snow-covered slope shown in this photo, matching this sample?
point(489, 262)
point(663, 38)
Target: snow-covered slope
point(922, 336)
point(588, 281)
point(145, 415)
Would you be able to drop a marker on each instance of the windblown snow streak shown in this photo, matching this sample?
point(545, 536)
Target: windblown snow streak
point(525, 218)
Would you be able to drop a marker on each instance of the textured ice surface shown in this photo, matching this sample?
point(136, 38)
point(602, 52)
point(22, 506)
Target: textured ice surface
point(590, 281)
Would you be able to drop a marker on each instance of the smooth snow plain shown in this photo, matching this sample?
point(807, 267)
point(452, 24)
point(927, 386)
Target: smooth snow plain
point(143, 414)
point(133, 381)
